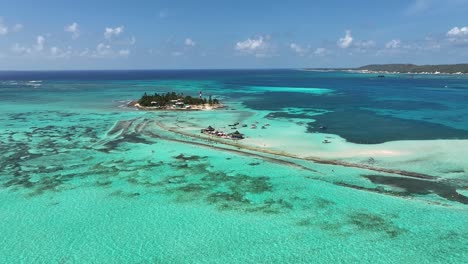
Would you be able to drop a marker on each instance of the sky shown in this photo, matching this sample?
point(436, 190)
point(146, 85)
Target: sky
point(213, 34)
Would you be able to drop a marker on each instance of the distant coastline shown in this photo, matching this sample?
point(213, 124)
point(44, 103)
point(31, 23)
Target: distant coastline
point(457, 69)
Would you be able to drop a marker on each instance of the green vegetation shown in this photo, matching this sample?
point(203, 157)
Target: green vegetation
point(405, 68)
point(163, 100)
point(411, 68)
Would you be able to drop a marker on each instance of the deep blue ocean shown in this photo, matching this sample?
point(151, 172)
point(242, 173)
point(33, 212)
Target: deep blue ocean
point(361, 107)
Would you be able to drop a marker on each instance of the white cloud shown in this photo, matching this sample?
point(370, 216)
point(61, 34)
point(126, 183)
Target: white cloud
point(40, 42)
point(17, 48)
point(74, 29)
point(257, 46)
point(17, 28)
point(458, 36)
point(177, 53)
point(393, 44)
point(84, 53)
point(54, 50)
point(320, 52)
point(3, 28)
point(396, 47)
point(103, 49)
point(250, 45)
point(431, 46)
point(458, 32)
point(124, 52)
point(133, 40)
point(113, 32)
point(346, 41)
point(37, 48)
point(40, 49)
point(298, 49)
point(189, 42)
point(365, 44)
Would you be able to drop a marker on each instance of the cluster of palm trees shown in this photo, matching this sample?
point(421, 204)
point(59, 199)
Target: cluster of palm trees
point(170, 97)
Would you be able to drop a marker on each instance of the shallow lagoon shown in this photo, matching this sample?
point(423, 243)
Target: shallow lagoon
point(85, 179)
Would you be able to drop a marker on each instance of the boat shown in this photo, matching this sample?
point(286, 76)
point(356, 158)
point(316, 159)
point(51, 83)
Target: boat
point(326, 141)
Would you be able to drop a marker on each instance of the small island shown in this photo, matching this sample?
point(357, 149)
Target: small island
point(175, 101)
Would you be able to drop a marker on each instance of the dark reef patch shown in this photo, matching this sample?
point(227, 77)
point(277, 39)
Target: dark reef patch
point(226, 197)
point(420, 187)
point(272, 206)
point(198, 182)
point(103, 183)
point(189, 158)
point(49, 184)
point(24, 154)
point(125, 138)
point(123, 194)
point(304, 222)
point(273, 115)
point(323, 203)
point(193, 188)
point(375, 223)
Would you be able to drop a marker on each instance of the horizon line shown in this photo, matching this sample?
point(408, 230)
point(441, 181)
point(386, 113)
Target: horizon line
point(148, 69)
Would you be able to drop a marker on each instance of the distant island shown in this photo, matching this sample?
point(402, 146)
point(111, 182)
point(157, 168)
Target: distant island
point(405, 68)
point(174, 101)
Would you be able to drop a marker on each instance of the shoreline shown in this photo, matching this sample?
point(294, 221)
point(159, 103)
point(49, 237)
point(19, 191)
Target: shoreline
point(145, 128)
point(203, 107)
point(410, 174)
point(384, 72)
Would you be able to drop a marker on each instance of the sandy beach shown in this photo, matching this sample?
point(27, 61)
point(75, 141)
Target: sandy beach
point(136, 105)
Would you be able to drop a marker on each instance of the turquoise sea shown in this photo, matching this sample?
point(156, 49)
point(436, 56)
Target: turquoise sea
point(86, 179)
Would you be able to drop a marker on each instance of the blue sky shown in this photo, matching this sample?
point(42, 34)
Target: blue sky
point(144, 34)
